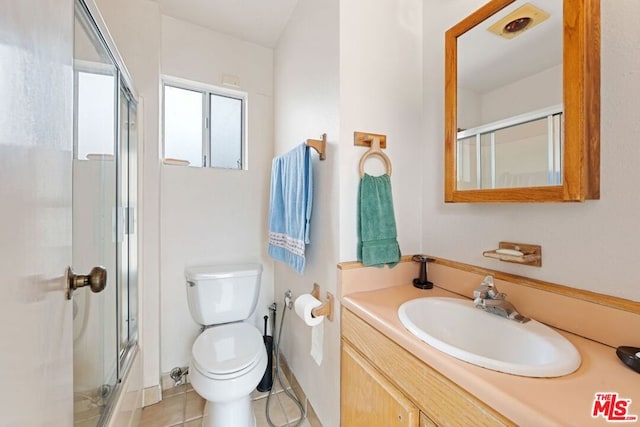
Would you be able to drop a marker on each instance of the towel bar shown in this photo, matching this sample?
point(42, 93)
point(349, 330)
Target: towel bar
point(320, 145)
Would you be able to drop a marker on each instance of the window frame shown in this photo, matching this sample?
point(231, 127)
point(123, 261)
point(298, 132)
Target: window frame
point(207, 90)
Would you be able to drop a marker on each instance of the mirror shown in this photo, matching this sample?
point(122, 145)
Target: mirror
point(522, 102)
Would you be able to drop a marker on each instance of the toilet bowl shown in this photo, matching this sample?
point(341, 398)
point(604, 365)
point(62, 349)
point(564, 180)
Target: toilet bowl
point(227, 363)
point(228, 359)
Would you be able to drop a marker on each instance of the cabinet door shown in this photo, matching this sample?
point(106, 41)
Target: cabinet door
point(426, 421)
point(369, 399)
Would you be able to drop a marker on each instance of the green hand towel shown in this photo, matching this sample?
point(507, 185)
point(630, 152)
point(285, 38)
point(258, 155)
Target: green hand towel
point(377, 235)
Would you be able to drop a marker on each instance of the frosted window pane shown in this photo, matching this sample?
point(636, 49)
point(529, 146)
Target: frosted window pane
point(183, 125)
point(226, 132)
point(96, 109)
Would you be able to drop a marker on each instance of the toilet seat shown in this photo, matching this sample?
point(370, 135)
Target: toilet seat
point(227, 351)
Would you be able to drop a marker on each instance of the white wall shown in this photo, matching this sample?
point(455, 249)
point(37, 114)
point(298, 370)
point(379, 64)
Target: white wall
point(381, 92)
point(306, 105)
point(343, 67)
point(214, 216)
point(469, 109)
point(135, 28)
point(540, 90)
point(587, 245)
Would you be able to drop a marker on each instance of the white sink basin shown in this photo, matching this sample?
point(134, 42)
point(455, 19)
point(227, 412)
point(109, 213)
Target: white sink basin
point(456, 327)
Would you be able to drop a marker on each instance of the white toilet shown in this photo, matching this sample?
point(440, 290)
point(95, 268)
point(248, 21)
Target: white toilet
point(228, 359)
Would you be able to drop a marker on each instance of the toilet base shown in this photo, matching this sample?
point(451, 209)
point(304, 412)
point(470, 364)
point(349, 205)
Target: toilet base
point(234, 413)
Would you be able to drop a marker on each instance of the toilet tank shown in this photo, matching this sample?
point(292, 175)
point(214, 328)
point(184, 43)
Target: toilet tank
point(222, 293)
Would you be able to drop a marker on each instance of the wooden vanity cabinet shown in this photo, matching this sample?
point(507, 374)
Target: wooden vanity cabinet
point(369, 398)
point(382, 384)
point(426, 421)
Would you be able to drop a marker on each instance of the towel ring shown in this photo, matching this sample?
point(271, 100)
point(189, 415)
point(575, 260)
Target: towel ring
point(375, 150)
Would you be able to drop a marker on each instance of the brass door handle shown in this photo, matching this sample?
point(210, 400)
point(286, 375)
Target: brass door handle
point(96, 280)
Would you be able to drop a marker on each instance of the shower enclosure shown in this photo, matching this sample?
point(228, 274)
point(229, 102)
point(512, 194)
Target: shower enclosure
point(105, 324)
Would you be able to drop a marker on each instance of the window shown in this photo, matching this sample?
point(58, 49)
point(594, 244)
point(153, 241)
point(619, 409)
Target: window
point(204, 127)
point(183, 125)
point(95, 106)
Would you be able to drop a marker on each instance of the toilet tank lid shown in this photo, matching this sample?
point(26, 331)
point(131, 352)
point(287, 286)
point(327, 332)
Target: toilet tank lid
point(222, 271)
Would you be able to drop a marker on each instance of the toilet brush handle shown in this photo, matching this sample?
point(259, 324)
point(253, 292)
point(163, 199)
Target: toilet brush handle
point(265, 325)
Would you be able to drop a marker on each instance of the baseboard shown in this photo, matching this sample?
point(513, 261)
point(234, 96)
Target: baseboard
point(151, 395)
point(312, 417)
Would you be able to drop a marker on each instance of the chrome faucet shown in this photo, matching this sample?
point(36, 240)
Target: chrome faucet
point(488, 298)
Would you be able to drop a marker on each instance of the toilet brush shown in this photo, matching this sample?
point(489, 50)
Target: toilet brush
point(267, 379)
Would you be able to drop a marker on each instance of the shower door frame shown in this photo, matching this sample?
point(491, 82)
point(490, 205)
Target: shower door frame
point(126, 206)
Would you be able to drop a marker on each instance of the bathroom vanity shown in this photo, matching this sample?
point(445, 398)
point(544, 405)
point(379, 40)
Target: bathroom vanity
point(390, 377)
point(409, 393)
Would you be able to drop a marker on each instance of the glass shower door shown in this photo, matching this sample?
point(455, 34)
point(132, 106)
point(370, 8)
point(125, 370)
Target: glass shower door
point(105, 326)
point(95, 220)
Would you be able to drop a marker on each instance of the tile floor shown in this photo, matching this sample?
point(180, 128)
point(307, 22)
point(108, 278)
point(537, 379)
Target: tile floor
point(87, 408)
point(182, 406)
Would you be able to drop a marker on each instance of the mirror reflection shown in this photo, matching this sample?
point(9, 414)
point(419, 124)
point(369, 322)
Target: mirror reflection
point(509, 98)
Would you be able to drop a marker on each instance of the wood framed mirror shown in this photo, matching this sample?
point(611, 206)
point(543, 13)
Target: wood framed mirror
point(506, 142)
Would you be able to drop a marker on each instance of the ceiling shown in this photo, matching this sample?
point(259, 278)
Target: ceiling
point(262, 22)
point(487, 61)
point(257, 21)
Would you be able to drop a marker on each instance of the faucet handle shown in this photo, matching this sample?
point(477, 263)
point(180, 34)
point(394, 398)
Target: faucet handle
point(494, 294)
point(487, 289)
point(488, 281)
point(481, 292)
point(493, 291)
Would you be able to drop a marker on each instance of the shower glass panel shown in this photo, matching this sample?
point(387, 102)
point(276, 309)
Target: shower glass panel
point(522, 155)
point(94, 202)
point(104, 223)
point(521, 151)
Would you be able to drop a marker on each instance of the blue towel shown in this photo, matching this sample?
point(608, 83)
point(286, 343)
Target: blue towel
point(377, 236)
point(290, 207)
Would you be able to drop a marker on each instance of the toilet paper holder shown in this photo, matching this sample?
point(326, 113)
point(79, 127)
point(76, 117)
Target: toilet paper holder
point(326, 309)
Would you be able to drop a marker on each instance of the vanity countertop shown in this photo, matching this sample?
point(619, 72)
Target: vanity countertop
point(566, 400)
